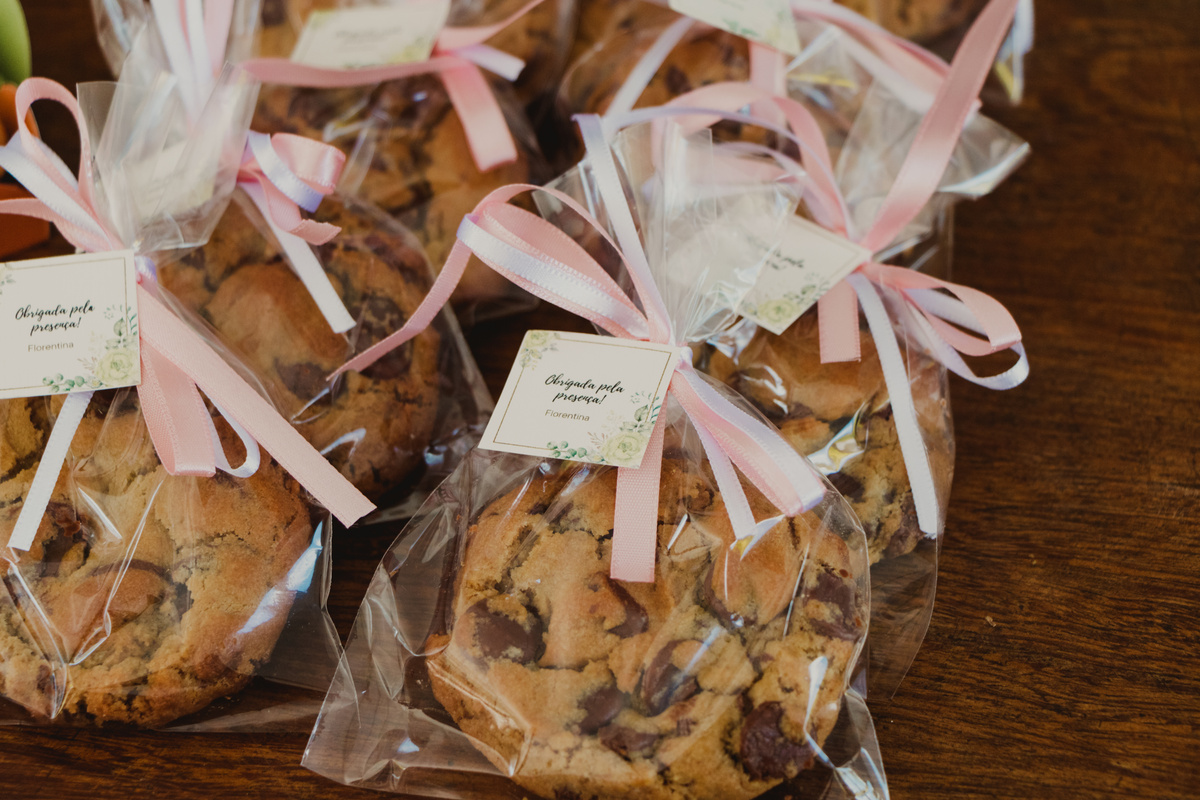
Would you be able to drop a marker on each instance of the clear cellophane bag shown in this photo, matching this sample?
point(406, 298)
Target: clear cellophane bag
point(495, 656)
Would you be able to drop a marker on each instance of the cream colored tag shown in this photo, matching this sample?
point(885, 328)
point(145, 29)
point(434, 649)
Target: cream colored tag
point(581, 397)
point(804, 265)
point(69, 324)
point(371, 36)
point(766, 21)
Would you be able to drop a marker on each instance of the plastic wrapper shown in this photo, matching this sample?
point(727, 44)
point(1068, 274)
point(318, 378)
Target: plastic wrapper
point(393, 429)
point(494, 655)
point(540, 37)
point(840, 416)
point(147, 599)
point(407, 152)
point(935, 24)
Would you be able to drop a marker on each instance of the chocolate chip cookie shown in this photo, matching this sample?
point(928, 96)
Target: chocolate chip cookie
point(718, 680)
point(840, 416)
point(144, 596)
point(375, 425)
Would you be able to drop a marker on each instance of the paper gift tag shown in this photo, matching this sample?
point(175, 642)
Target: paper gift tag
point(582, 397)
point(68, 324)
point(766, 21)
point(804, 265)
point(371, 36)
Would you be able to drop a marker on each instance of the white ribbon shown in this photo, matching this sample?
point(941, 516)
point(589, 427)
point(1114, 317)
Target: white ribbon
point(280, 174)
point(506, 65)
point(904, 410)
point(307, 267)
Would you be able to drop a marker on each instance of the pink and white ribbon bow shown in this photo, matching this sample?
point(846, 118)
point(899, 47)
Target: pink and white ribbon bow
point(457, 59)
point(536, 255)
point(935, 310)
point(282, 173)
point(177, 364)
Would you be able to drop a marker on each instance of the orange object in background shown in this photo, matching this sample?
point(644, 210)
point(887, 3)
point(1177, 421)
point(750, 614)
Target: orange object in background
point(16, 233)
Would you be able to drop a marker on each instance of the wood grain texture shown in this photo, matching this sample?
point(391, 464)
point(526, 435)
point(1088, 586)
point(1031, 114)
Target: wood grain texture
point(1063, 660)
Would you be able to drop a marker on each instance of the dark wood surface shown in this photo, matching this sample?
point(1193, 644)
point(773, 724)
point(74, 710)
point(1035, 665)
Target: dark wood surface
point(1063, 660)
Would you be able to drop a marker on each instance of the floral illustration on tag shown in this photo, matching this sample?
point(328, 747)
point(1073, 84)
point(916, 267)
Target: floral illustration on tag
point(536, 344)
point(781, 312)
point(112, 361)
point(6, 277)
point(622, 441)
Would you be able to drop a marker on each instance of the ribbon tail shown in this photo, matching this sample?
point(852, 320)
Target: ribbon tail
point(741, 518)
point(439, 294)
point(635, 518)
point(837, 324)
point(46, 477)
point(768, 71)
point(483, 121)
point(164, 332)
point(176, 417)
point(785, 477)
point(904, 411)
point(306, 266)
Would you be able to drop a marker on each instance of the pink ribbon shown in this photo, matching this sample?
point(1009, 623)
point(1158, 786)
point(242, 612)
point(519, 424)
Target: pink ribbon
point(176, 362)
point(457, 59)
point(537, 256)
point(294, 173)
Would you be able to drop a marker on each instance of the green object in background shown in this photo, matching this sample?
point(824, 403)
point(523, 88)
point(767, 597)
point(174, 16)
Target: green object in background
point(15, 61)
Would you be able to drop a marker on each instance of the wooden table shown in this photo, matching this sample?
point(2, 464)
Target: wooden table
point(1063, 660)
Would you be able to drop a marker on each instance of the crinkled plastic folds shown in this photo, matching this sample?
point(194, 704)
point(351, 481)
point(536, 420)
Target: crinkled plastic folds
point(492, 644)
point(936, 24)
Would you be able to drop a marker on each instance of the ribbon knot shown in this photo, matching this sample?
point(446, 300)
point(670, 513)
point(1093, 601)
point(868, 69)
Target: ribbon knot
point(282, 173)
point(177, 364)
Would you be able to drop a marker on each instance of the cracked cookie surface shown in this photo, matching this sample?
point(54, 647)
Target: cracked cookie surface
point(375, 425)
point(695, 686)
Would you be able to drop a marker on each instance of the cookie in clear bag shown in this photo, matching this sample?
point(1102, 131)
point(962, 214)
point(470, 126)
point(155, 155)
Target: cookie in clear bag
point(720, 679)
point(144, 597)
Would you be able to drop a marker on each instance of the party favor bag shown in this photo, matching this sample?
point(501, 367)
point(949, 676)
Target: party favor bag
point(147, 577)
point(938, 25)
point(592, 627)
point(296, 297)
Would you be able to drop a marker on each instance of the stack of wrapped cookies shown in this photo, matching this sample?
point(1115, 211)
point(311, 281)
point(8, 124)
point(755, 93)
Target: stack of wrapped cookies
point(671, 559)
